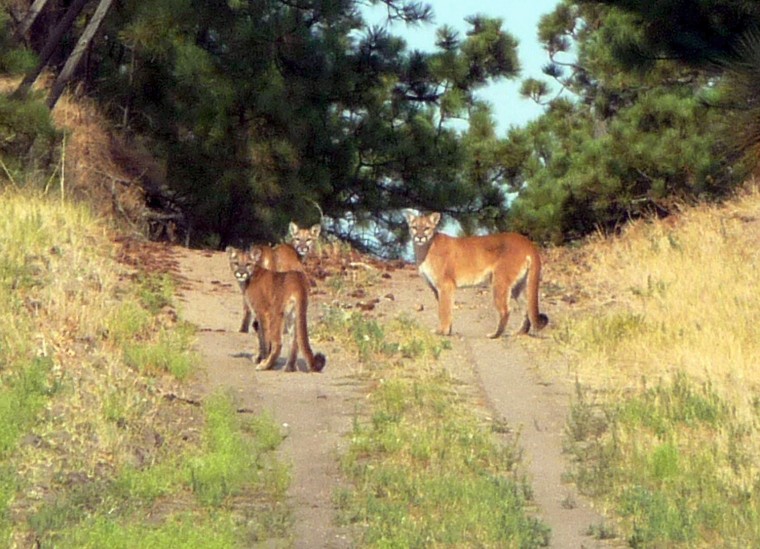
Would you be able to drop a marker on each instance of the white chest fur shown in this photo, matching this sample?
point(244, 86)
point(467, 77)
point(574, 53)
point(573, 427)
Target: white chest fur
point(428, 273)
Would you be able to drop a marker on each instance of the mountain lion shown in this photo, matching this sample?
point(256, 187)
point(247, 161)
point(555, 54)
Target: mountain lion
point(510, 260)
point(272, 296)
point(281, 258)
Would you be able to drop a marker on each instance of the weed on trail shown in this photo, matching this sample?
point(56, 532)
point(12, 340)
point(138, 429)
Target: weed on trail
point(425, 470)
point(377, 343)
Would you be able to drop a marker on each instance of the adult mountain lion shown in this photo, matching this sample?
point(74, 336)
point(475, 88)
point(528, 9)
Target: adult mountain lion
point(510, 260)
point(272, 296)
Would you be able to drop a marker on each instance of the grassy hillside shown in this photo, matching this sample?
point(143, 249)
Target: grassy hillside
point(665, 341)
point(93, 452)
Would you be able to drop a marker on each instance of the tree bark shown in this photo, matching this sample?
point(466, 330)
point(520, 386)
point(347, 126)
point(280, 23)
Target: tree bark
point(73, 61)
point(50, 46)
point(29, 19)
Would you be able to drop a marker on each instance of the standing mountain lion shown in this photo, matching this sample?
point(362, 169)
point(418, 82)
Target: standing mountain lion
point(280, 258)
point(273, 295)
point(510, 260)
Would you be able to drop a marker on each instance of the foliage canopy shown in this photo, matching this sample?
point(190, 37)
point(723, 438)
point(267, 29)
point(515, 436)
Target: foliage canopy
point(265, 112)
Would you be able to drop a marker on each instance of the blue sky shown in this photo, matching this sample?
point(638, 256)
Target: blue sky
point(520, 18)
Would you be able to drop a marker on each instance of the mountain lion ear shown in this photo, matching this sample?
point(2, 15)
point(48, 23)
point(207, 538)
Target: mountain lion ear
point(293, 228)
point(410, 216)
point(315, 230)
point(435, 217)
point(255, 254)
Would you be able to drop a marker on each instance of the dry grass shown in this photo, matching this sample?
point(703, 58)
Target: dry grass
point(662, 333)
point(677, 296)
point(95, 163)
point(61, 288)
point(98, 166)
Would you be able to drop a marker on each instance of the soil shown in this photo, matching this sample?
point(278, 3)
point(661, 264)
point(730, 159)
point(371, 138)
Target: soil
point(316, 410)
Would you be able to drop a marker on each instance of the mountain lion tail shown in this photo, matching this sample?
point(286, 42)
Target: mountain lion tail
point(316, 362)
point(537, 319)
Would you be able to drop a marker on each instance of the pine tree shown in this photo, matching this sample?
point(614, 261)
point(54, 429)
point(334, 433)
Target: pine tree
point(264, 109)
point(630, 132)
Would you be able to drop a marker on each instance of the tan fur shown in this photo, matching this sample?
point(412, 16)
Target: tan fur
point(237, 260)
point(272, 296)
point(281, 258)
point(509, 260)
point(304, 240)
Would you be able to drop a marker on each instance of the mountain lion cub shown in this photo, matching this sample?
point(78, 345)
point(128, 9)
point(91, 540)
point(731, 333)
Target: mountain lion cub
point(281, 258)
point(510, 260)
point(272, 296)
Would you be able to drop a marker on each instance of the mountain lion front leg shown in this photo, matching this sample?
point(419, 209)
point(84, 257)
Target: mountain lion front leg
point(246, 319)
point(445, 295)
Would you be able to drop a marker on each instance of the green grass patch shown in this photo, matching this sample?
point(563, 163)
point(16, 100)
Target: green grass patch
point(428, 474)
point(23, 394)
point(232, 462)
point(147, 345)
point(235, 463)
point(168, 352)
point(425, 470)
point(399, 339)
point(186, 530)
point(128, 322)
point(155, 291)
point(670, 460)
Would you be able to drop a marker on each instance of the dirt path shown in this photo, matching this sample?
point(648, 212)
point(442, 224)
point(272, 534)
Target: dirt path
point(317, 409)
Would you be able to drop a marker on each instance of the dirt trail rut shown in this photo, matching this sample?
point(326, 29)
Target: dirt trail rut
point(317, 410)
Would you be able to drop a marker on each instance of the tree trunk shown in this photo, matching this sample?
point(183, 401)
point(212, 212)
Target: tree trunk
point(29, 19)
point(50, 46)
point(73, 61)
